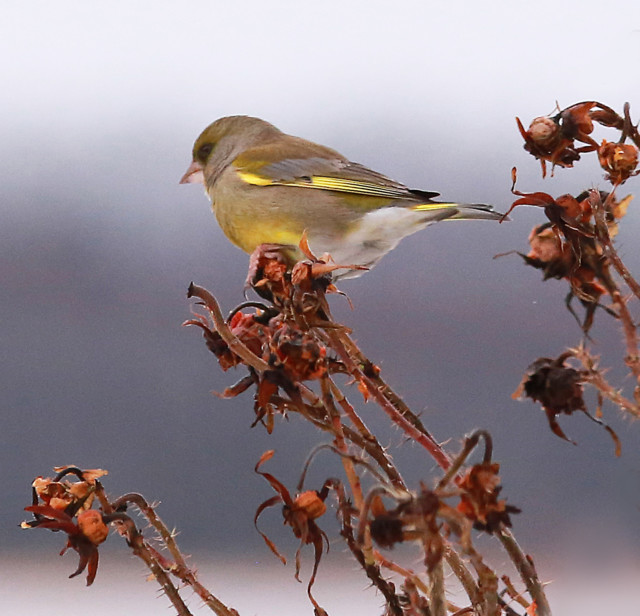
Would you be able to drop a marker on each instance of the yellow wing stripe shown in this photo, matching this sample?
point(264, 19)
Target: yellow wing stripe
point(325, 183)
point(425, 207)
point(355, 186)
point(254, 178)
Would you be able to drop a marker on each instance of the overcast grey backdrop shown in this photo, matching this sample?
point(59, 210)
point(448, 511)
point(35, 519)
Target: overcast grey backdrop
point(100, 105)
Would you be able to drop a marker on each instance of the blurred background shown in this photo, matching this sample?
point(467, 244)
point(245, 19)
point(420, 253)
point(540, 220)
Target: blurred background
point(101, 104)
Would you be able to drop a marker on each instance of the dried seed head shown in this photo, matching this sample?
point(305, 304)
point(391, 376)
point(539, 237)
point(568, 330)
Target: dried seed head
point(619, 160)
point(386, 530)
point(543, 131)
point(311, 504)
point(92, 527)
point(556, 386)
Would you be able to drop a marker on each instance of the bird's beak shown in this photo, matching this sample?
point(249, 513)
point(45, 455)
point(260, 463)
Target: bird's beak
point(194, 174)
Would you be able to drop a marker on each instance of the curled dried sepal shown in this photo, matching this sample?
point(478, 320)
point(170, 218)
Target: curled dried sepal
point(299, 512)
point(83, 535)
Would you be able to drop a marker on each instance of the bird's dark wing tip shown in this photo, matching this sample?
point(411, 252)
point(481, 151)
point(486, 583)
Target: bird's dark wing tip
point(424, 194)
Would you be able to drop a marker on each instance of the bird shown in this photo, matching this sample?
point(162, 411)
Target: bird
point(270, 188)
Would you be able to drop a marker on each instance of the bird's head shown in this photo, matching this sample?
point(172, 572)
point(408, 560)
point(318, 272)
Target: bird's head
point(221, 142)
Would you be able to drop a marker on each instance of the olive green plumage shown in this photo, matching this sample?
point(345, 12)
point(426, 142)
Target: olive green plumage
point(267, 187)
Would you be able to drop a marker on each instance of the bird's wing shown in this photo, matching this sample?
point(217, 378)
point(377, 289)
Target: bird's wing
point(321, 169)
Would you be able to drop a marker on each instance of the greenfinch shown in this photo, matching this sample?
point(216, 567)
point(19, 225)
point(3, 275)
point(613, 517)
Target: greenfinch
point(267, 187)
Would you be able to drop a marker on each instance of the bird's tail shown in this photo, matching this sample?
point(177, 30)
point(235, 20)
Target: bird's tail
point(459, 211)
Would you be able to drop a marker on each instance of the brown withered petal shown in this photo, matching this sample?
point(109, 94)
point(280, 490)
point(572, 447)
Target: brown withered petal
point(479, 501)
point(570, 206)
point(576, 122)
point(60, 503)
point(47, 489)
point(548, 253)
point(545, 244)
point(619, 208)
point(79, 490)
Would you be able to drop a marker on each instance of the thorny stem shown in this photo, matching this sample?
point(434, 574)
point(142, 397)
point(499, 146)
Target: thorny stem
point(347, 463)
point(378, 454)
point(405, 573)
point(527, 571)
point(316, 413)
point(234, 344)
point(596, 378)
point(148, 511)
point(605, 240)
point(470, 444)
point(367, 440)
point(437, 601)
point(392, 404)
point(142, 551)
point(464, 575)
point(350, 412)
point(324, 414)
point(487, 583)
point(371, 569)
point(179, 567)
point(512, 592)
point(633, 355)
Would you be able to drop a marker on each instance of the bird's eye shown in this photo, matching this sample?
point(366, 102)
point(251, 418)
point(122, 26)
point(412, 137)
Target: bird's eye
point(203, 151)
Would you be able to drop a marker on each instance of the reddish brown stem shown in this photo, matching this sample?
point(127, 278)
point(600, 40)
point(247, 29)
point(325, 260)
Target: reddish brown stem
point(390, 403)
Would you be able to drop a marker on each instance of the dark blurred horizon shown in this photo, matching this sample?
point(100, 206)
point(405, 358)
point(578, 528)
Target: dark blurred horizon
point(98, 244)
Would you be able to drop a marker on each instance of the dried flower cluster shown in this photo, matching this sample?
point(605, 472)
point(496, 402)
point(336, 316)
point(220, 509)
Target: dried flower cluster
point(559, 389)
point(567, 246)
point(291, 349)
point(576, 244)
point(553, 139)
point(61, 504)
point(74, 502)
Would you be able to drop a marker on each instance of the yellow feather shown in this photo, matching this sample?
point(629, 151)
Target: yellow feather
point(254, 178)
point(425, 207)
point(354, 187)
